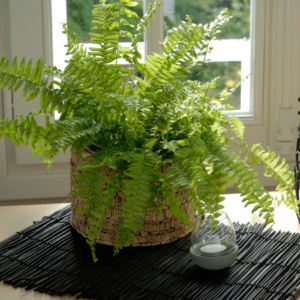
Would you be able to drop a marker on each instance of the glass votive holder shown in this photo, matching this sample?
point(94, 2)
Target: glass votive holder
point(214, 249)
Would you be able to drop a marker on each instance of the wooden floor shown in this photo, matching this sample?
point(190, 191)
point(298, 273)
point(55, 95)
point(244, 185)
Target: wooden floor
point(16, 218)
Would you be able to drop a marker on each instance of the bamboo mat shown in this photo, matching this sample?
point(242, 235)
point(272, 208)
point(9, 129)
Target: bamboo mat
point(51, 257)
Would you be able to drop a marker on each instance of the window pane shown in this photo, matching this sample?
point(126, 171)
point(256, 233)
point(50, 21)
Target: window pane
point(231, 75)
point(79, 17)
point(230, 58)
point(204, 11)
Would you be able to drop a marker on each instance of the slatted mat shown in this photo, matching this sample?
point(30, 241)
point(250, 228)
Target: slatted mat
point(51, 257)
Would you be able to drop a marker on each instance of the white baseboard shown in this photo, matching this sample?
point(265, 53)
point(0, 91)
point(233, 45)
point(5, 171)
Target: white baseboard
point(35, 187)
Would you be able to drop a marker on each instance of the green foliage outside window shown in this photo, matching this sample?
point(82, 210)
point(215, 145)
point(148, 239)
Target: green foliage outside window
point(204, 11)
point(230, 75)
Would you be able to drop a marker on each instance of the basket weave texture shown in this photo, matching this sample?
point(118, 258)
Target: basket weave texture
point(156, 230)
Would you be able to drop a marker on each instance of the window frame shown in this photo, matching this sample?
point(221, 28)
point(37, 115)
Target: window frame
point(253, 116)
point(155, 34)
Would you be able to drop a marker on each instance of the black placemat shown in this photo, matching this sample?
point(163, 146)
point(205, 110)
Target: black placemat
point(53, 258)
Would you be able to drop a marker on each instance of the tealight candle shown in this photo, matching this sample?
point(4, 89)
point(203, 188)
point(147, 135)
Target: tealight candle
point(213, 248)
point(217, 249)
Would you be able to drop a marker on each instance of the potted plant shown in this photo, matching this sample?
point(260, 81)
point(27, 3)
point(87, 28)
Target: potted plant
point(147, 150)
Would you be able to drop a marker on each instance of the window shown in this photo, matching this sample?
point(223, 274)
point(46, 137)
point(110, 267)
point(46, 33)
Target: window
point(77, 14)
point(230, 57)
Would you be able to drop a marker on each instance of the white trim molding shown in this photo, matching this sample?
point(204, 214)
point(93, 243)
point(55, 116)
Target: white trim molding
point(253, 115)
point(285, 128)
point(155, 31)
point(284, 75)
point(258, 35)
point(286, 132)
point(47, 32)
point(7, 111)
point(35, 187)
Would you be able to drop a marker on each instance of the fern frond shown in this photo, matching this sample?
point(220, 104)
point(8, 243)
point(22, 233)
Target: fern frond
point(106, 38)
point(74, 43)
point(138, 193)
point(279, 170)
point(102, 79)
point(74, 132)
point(237, 126)
point(188, 172)
point(23, 130)
point(34, 83)
point(179, 48)
point(136, 55)
point(244, 178)
point(94, 194)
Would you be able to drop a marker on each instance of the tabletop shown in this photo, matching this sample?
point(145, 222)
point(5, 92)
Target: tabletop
point(16, 218)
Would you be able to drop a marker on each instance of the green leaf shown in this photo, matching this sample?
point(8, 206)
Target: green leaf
point(87, 167)
point(128, 34)
point(258, 206)
point(39, 71)
point(42, 98)
point(129, 2)
point(7, 67)
point(12, 83)
point(19, 84)
point(149, 145)
point(238, 126)
point(114, 25)
point(183, 143)
point(124, 50)
point(124, 21)
point(129, 13)
point(65, 110)
point(22, 67)
point(28, 69)
point(172, 146)
point(15, 66)
point(33, 94)
point(2, 63)
point(35, 71)
point(269, 221)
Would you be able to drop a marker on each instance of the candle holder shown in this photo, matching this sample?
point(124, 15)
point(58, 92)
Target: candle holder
point(217, 249)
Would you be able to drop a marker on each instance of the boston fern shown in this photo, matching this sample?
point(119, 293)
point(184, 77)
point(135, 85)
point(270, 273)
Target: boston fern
point(162, 133)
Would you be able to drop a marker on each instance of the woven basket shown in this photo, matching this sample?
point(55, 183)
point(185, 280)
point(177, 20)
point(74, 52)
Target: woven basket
point(156, 230)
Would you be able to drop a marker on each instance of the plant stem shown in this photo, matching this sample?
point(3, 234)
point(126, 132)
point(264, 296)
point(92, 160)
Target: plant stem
point(206, 92)
point(119, 29)
point(96, 145)
point(201, 71)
